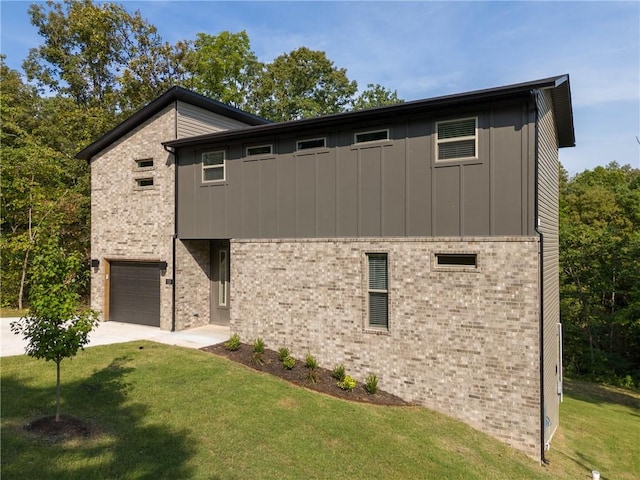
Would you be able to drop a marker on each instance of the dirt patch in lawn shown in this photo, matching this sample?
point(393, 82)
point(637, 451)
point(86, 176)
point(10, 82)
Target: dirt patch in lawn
point(298, 375)
point(66, 428)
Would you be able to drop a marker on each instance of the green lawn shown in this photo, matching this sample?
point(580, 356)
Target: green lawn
point(169, 412)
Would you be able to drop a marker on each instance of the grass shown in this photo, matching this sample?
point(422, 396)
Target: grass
point(169, 412)
point(6, 312)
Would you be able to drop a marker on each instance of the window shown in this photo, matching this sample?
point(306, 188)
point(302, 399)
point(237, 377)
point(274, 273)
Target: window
point(222, 274)
point(260, 150)
point(144, 163)
point(378, 291)
point(312, 143)
point(213, 166)
point(457, 139)
point(371, 136)
point(461, 260)
point(144, 182)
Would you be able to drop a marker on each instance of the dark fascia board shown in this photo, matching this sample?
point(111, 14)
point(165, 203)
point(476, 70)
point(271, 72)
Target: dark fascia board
point(151, 109)
point(558, 84)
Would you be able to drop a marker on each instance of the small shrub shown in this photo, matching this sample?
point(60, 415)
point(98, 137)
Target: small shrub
point(348, 383)
point(233, 343)
point(371, 383)
point(258, 345)
point(288, 362)
point(283, 353)
point(338, 372)
point(312, 364)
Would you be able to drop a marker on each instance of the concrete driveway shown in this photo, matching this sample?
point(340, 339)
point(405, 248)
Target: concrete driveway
point(116, 332)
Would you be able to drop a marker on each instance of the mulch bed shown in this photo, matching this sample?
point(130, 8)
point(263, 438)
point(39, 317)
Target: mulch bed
point(298, 375)
point(66, 428)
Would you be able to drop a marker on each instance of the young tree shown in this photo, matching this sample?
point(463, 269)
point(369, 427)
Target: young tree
point(55, 328)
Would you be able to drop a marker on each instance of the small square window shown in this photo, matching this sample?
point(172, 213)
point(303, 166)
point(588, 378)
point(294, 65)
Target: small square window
point(457, 139)
point(378, 290)
point(373, 136)
point(260, 150)
point(213, 166)
point(311, 143)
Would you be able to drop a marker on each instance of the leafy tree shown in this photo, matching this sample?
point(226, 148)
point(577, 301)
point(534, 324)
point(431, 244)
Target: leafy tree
point(41, 184)
point(223, 67)
point(100, 54)
point(54, 328)
point(375, 96)
point(300, 84)
point(600, 276)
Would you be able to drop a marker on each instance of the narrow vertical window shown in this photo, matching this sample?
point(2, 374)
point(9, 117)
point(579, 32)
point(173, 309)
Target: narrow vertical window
point(222, 284)
point(378, 290)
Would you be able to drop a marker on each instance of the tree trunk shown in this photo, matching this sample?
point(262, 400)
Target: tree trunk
point(23, 278)
point(58, 390)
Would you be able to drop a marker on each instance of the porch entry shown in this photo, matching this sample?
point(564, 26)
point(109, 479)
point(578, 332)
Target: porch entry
point(220, 284)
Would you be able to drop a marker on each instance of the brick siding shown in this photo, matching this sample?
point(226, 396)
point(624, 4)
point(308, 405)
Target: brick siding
point(460, 341)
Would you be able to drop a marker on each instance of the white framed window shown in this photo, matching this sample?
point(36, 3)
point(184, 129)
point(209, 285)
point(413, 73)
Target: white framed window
point(213, 166)
point(223, 286)
point(378, 291)
point(260, 150)
point(457, 139)
point(311, 143)
point(371, 136)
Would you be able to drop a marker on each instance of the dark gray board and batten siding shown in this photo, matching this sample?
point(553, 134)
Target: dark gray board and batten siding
point(390, 188)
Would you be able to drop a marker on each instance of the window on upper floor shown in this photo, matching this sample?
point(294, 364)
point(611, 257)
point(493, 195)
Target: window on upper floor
point(457, 139)
point(144, 163)
point(378, 291)
point(372, 136)
point(311, 143)
point(260, 150)
point(213, 164)
point(144, 183)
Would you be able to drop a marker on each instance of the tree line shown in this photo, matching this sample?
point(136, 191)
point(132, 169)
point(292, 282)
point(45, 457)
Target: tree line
point(99, 63)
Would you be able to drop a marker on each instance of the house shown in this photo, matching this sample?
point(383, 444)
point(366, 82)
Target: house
point(417, 241)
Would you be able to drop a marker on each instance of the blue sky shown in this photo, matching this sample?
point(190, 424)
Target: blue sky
point(425, 49)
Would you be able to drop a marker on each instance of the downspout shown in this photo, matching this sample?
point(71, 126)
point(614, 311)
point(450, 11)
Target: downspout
point(174, 238)
point(543, 459)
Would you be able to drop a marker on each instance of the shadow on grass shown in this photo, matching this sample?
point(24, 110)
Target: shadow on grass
point(124, 445)
point(598, 394)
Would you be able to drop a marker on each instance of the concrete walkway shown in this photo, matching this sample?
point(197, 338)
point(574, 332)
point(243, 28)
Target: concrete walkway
point(116, 332)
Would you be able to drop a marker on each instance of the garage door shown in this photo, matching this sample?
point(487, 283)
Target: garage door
point(134, 295)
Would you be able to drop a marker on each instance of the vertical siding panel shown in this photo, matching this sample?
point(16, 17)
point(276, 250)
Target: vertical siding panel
point(305, 196)
point(418, 179)
point(268, 198)
point(446, 194)
point(325, 194)
point(347, 192)
point(286, 179)
point(370, 192)
point(548, 215)
point(475, 197)
point(394, 189)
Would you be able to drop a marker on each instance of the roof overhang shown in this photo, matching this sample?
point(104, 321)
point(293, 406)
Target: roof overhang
point(559, 86)
point(156, 106)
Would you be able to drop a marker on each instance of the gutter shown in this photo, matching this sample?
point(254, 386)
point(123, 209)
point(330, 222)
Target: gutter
point(543, 459)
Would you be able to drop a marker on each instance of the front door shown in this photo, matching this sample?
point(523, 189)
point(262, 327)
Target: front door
point(220, 282)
